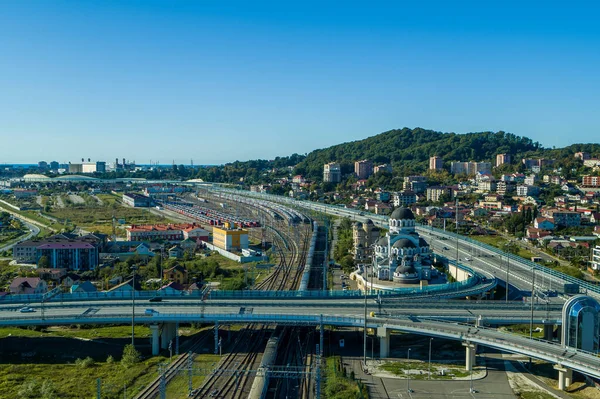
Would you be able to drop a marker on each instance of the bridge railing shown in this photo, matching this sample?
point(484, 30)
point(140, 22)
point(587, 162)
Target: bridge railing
point(310, 204)
point(99, 295)
point(519, 261)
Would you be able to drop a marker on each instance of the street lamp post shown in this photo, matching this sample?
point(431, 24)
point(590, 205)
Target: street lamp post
point(430, 339)
point(531, 306)
point(365, 326)
point(507, 274)
point(408, 373)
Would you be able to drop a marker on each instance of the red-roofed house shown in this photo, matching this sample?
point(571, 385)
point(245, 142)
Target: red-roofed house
point(166, 232)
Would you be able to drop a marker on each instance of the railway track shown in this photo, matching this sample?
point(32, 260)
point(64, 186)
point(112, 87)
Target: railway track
point(244, 355)
point(286, 275)
point(152, 390)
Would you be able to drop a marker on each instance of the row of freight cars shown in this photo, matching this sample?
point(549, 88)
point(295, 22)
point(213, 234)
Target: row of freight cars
point(207, 215)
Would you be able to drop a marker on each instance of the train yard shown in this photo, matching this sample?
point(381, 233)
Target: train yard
point(238, 374)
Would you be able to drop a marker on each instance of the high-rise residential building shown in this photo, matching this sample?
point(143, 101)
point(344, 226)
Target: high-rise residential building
point(383, 168)
point(54, 165)
point(435, 163)
point(363, 169)
point(501, 159)
point(536, 164)
point(43, 165)
point(435, 193)
point(470, 168)
point(332, 173)
point(582, 155)
point(418, 184)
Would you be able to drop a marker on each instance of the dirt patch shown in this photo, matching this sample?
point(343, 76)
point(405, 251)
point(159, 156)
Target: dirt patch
point(76, 199)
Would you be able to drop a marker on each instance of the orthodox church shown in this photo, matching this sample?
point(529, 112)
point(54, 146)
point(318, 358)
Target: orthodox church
point(402, 255)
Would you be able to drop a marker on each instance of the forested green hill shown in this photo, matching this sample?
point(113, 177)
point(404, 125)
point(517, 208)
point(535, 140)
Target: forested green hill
point(408, 150)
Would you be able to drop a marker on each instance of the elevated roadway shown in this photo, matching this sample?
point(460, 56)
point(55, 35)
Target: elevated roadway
point(520, 271)
point(422, 319)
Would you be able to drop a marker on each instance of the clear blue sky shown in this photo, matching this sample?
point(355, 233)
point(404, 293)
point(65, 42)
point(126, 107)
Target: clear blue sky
point(216, 81)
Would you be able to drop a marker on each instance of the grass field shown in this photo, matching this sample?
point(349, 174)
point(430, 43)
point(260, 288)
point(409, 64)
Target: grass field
point(401, 368)
point(95, 217)
point(71, 380)
point(74, 381)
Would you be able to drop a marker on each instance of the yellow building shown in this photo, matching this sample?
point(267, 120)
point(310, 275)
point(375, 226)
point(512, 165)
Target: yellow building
point(230, 239)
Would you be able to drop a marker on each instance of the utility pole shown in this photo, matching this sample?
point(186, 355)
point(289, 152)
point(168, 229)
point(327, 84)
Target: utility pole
point(365, 326)
point(133, 308)
point(531, 305)
point(507, 275)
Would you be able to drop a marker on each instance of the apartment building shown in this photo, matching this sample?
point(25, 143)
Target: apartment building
point(332, 173)
point(363, 169)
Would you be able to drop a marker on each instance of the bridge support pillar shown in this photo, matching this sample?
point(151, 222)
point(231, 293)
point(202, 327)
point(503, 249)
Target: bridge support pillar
point(565, 376)
point(177, 338)
point(548, 332)
point(155, 329)
point(471, 350)
point(384, 342)
point(168, 333)
point(216, 338)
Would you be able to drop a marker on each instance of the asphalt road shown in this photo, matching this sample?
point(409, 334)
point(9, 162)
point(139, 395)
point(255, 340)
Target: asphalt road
point(33, 231)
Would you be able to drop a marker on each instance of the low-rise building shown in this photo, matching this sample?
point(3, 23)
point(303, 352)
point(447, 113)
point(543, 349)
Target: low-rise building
point(176, 252)
point(61, 251)
point(382, 208)
point(566, 218)
point(28, 286)
point(177, 274)
point(230, 239)
point(167, 232)
point(85, 286)
point(405, 198)
point(137, 200)
point(590, 181)
point(524, 190)
point(543, 223)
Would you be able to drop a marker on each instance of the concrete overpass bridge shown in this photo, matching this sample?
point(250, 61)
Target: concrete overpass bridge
point(465, 321)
